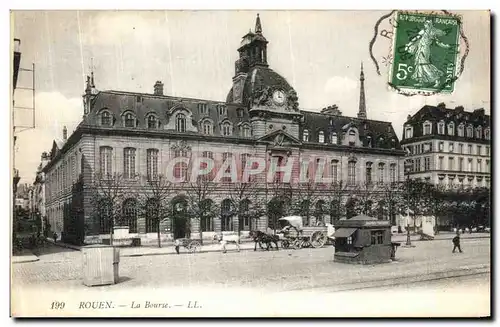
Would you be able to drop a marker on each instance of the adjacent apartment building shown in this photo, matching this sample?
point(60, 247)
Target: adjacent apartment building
point(449, 147)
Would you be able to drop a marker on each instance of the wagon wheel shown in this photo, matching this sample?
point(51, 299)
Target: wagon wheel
point(261, 245)
point(285, 244)
point(318, 239)
point(194, 246)
point(297, 243)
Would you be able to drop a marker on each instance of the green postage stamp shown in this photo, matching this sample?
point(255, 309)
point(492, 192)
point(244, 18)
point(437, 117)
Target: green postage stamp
point(425, 52)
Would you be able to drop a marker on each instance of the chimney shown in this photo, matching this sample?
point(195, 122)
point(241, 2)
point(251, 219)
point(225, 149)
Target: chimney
point(65, 134)
point(158, 88)
point(441, 105)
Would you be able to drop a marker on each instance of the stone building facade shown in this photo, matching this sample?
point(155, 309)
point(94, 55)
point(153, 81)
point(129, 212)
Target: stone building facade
point(449, 147)
point(137, 134)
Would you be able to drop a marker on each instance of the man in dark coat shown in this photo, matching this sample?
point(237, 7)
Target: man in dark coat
point(456, 243)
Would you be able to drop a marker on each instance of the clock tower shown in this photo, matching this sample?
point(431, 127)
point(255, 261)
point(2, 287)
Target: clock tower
point(271, 102)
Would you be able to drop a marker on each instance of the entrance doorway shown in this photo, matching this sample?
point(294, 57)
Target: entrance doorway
point(180, 218)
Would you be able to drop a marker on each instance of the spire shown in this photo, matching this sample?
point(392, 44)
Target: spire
point(92, 84)
point(258, 26)
point(362, 101)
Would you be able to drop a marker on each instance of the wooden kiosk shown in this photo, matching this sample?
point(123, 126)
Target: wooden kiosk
point(363, 240)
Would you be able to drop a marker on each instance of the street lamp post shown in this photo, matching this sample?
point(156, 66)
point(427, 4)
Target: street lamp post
point(408, 170)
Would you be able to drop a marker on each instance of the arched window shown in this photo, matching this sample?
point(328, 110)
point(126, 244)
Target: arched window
point(352, 137)
point(408, 132)
point(180, 168)
point(479, 132)
point(427, 128)
point(487, 133)
point(129, 120)
point(180, 123)
point(305, 135)
point(469, 131)
point(451, 128)
point(152, 122)
point(129, 163)
point(334, 138)
point(368, 177)
point(206, 221)
point(129, 209)
point(226, 215)
point(207, 127)
point(152, 163)
point(321, 137)
point(226, 129)
point(245, 223)
point(105, 216)
point(461, 130)
point(105, 161)
point(152, 215)
point(351, 172)
point(246, 131)
point(441, 127)
point(106, 119)
point(335, 170)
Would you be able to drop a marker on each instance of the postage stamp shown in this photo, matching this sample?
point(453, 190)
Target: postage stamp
point(425, 52)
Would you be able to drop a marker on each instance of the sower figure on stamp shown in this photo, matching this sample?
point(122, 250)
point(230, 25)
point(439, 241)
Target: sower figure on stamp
point(420, 46)
point(456, 243)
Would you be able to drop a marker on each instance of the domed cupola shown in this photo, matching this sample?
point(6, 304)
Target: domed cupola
point(254, 83)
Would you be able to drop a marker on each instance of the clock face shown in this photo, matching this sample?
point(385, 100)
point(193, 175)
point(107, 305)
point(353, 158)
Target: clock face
point(279, 97)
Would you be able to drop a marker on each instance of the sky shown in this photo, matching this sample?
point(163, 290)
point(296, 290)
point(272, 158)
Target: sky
point(193, 54)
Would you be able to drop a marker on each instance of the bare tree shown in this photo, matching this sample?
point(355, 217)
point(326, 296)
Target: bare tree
point(335, 195)
point(245, 200)
point(200, 205)
point(280, 196)
point(155, 195)
point(366, 198)
point(390, 196)
point(108, 195)
point(303, 198)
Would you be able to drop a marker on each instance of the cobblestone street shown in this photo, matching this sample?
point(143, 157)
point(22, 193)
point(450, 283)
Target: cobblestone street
point(275, 270)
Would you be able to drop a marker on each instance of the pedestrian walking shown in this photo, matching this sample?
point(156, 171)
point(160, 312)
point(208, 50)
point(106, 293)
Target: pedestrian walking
point(456, 243)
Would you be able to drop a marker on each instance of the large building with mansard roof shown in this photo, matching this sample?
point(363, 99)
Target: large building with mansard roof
point(449, 146)
point(139, 134)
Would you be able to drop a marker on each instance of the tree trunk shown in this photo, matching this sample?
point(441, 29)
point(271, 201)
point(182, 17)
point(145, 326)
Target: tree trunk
point(201, 234)
point(159, 234)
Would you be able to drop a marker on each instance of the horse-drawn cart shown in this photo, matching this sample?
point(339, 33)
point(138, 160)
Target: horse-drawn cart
point(297, 236)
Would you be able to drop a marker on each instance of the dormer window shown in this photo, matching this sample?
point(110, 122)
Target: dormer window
point(129, 120)
point(479, 132)
point(203, 108)
point(352, 137)
point(408, 132)
point(427, 128)
point(461, 130)
point(239, 112)
point(226, 129)
point(180, 123)
point(106, 119)
point(152, 122)
point(334, 138)
point(321, 137)
point(469, 131)
point(222, 109)
point(246, 131)
point(305, 135)
point(441, 128)
point(451, 128)
point(369, 141)
point(487, 133)
point(207, 127)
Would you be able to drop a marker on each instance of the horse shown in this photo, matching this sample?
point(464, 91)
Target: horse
point(224, 239)
point(261, 237)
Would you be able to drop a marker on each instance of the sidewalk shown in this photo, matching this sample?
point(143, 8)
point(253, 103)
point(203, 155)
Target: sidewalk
point(24, 256)
point(246, 245)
